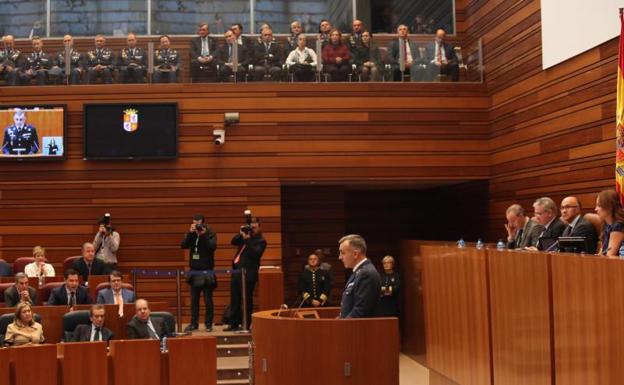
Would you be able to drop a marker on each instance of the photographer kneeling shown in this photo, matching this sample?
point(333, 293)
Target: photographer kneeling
point(251, 245)
point(202, 243)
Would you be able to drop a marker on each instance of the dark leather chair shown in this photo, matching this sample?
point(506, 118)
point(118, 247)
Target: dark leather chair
point(3, 287)
point(6, 270)
point(68, 262)
point(73, 319)
point(20, 263)
point(6, 319)
point(45, 290)
point(168, 320)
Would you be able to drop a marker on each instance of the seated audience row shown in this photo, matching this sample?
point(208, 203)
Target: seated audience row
point(261, 59)
point(602, 232)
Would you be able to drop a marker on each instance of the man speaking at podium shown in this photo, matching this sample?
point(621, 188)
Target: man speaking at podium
point(361, 293)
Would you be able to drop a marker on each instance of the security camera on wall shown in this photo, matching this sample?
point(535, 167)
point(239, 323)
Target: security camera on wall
point(219, 136)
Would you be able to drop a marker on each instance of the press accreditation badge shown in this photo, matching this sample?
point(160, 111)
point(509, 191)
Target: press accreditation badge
point(195, 256)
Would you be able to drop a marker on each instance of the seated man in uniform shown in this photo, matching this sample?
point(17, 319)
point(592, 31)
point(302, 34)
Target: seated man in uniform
point(132, 62)
point(166, 62)
point(36, 65)
point(100, 62)
point(76, 66)
point(10, 61)
point(20, 138)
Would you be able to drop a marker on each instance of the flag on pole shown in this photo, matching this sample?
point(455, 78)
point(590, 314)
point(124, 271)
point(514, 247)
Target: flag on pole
point(619, 154)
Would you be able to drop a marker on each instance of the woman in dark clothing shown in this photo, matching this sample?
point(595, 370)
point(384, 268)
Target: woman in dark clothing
point(390, 285)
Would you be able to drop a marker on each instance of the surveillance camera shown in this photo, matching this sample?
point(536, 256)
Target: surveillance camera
point(219, 136)
point(230, 118)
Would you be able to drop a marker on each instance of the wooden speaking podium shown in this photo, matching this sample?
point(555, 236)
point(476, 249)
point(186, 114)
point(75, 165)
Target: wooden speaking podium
point(295, 348)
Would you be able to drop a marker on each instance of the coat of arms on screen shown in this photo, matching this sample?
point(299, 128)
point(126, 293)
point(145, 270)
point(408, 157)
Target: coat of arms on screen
point(131, 120)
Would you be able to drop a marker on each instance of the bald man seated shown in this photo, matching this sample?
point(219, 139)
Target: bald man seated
point(576, 225)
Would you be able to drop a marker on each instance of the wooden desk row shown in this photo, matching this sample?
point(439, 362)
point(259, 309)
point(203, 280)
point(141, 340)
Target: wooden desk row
point(131, 362)
point(52, 318)
point(530, 318)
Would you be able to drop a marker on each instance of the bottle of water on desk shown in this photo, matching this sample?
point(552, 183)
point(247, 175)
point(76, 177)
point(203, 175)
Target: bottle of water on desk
point(461, 243)
point(500, 245)
point(480, 244)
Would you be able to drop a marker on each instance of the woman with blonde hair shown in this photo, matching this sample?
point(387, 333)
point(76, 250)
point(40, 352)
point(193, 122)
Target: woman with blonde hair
point(24, 329)
point(39, 268)
point(389, 303)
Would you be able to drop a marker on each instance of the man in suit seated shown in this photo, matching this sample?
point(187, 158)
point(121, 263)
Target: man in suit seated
point(225, 57)
point(546, 215)
point(20, 292)
point(443, 60)
point(521, 230)
point(71, 293)
point(415, 58)
point(203, 63)
point(116, 294)
point(268, 57)
point(95, 331)
point(142, 326)
point(577, 226)
point(361, 294)
point(88, 264)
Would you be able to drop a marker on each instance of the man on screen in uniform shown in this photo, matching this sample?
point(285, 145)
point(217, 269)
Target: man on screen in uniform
point(20, 138)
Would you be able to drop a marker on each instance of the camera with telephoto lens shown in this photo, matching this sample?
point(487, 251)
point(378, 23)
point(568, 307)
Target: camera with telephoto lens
point(200, 227)
point(247, 228)
point(105, 221)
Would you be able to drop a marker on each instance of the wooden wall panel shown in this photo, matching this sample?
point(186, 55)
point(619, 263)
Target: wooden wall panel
point(457, 321)
point(552, 131)
point(588, 313)
point(520, 309)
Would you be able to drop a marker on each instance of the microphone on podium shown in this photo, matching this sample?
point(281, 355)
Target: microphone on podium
point(304, 298)
point(282, 307)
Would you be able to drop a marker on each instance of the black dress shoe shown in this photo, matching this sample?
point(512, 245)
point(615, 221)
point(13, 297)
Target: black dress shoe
point(208, 328)
point(191, 327)
point(231, 328)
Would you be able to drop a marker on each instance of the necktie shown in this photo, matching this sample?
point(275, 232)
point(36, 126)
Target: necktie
point(237, 259)
point(568, 231)
point(204, 47)
point(98, 336)
point(72, 299)
point(519, 237)
point(151, 333)
point(439, 53)
point(405, 50)
point(119, 302)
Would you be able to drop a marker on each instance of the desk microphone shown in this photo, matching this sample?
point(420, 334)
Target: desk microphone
point(305, 297)
point(282, 307)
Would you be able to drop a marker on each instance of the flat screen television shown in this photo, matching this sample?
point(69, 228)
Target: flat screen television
point(34, 132)
point(131, 131)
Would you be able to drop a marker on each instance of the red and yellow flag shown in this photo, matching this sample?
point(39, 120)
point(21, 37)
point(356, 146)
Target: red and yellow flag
point(619, 155)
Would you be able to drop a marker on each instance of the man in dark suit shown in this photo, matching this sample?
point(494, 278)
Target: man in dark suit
point(225, 58)
point(267, 57)
point(362, 291)
point(577, 226)
point(251, 245)
point(415, 58)
point(442, 58)
point(203, 63)
point(546, 215)
point(521, 230)
point(116, 294)
point(88, 264)
point(20, 292)
point(71, 293)
point(95, 331)
point(142, 326)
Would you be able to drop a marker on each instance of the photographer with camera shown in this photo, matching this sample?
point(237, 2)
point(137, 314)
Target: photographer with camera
point(106, 243)
point(251, 245)
point(202, 243)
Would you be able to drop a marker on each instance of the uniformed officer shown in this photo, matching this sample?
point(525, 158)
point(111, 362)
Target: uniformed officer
point(132, 62)
point(37, 64)
point(100, 62)
point(10, 61)
point(166, 62)
point(314, 283)
point(20, 138)
point(76, 61)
